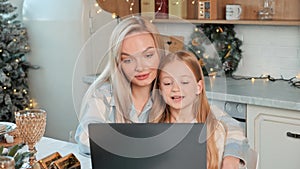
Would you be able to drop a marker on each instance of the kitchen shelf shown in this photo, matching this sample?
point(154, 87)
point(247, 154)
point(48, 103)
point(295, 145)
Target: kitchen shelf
point(237, 22)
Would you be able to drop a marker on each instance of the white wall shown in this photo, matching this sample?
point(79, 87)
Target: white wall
point(273, 50)
point(56, 32)
point(67, 38)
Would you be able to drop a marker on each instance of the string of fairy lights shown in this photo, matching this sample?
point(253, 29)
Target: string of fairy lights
point(294, 81)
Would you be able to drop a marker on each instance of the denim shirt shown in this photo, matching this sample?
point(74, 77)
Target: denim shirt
point(101, 109)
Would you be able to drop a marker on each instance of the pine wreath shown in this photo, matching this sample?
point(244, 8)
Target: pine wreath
point(225, 44)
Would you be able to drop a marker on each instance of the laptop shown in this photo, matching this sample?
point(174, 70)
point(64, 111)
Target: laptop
point(148, 145)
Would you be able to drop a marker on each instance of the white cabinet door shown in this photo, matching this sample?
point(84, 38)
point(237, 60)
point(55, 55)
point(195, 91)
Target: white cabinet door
point(275, 135)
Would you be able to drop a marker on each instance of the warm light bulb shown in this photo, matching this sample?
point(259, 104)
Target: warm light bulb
point(15, 90)
point(193, 2)
point(4, 87)
point(100, 10)
point(252, 80)
point(114, 15)
point(206, 56)
point(198, 51)
point(96, 4)
point(298, 76)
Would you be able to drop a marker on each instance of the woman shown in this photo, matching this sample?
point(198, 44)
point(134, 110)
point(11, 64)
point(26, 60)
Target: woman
point(124, 90)
point(181, 85)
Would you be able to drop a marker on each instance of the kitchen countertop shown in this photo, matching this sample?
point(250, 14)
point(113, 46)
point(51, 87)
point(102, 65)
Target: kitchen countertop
point(278, 94)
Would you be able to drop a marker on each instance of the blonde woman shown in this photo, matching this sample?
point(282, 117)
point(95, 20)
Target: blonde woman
point(181, 85)
point(123, 92)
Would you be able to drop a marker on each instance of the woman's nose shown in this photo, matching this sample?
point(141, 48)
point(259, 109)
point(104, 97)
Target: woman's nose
point(139, 65)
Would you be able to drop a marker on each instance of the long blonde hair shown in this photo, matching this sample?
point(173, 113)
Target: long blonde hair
point(200, 106)
point(112, 72)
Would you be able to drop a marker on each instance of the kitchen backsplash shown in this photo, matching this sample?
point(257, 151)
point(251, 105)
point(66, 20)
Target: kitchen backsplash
point(273, 50)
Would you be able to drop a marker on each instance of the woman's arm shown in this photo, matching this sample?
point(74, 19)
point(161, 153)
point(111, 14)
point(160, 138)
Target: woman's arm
point(98, 109)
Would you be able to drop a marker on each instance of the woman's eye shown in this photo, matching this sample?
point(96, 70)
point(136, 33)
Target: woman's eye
point(149, 55)
point(127, 61)
point(185, 82)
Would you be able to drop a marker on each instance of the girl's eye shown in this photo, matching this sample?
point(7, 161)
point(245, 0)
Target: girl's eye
point(167, 83)
point(185, 82)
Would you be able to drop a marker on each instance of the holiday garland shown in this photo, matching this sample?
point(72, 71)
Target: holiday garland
point(14, 90)
point(226, 52)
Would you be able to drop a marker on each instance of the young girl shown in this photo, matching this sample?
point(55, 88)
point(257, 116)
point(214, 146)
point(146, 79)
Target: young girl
point(123, 92)
point(181, 85)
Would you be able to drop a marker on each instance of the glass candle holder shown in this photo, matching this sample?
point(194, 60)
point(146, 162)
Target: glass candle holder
point(31, 125)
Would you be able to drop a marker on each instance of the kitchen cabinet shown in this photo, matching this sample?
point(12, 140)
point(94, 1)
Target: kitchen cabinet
point(286, 11)
point(275, 134)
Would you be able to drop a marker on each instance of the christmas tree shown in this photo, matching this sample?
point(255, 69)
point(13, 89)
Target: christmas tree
point(14, 91)
point(226, 46)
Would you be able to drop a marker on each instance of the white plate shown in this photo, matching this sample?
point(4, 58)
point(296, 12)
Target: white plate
point(8, 127)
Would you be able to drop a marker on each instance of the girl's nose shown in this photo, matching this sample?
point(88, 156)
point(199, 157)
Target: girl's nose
point(175, 87)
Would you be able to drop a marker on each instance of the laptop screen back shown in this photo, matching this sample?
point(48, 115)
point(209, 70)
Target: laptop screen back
point(148, 145)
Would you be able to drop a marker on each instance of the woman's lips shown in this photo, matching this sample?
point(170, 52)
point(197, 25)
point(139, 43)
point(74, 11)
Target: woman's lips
point(142, 77)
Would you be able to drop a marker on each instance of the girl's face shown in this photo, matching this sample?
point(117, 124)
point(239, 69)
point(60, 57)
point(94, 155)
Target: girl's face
point(178, 85)
point(139, 59)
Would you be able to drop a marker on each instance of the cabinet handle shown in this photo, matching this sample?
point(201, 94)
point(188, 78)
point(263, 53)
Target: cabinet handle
point(293, 135)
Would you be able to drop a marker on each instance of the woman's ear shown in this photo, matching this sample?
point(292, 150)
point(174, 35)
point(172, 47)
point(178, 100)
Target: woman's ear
point(199, 87)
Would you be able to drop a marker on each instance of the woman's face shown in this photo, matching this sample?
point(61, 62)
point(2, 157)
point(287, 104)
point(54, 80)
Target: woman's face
point(178, 85)
point(139, 59)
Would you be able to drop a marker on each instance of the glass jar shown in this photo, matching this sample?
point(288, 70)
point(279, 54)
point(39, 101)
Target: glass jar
point(268, 10)
point(7, 162)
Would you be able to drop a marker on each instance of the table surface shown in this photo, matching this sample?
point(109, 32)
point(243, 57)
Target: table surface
point(47, 146)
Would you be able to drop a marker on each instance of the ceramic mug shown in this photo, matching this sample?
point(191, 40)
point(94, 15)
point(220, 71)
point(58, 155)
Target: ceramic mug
point(233, 12)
